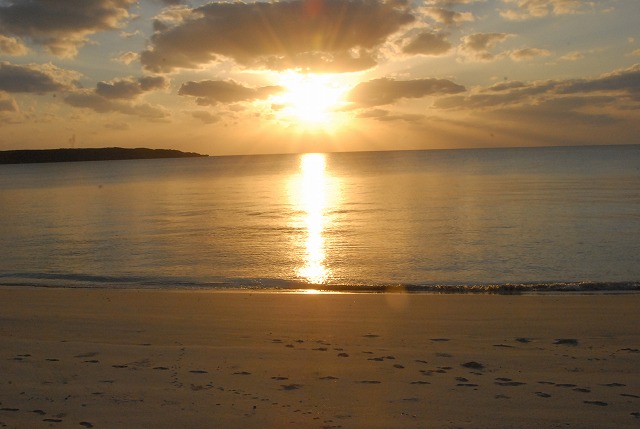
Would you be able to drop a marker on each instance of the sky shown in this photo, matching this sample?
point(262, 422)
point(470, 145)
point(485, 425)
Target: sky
point(224, 78)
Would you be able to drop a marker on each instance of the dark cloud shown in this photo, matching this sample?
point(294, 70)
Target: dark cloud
point(427, 43)
point(627, 80)
point(313, 34)
point(99, 104)
point(379, 92)
point(210, 92)
point(130, 88)
point(61, 26)
point(620, 89)
point(35, 78)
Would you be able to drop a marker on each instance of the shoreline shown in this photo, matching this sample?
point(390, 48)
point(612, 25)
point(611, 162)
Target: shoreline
point(532, 288)
point(83, 357)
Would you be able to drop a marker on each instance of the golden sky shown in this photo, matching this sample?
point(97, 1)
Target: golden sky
point(318, 75)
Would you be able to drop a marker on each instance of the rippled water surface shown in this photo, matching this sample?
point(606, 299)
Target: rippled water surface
point(425, 218)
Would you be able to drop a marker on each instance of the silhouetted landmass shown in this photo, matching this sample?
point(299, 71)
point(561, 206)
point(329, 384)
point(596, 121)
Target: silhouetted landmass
point(93, 154)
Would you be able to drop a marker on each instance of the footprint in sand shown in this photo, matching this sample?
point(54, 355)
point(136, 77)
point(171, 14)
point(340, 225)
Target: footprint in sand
point(598, 403)
point(369, 382)
point(120, 366)
point(440, 340)
point(198, 371)
point(502, 381)
point(473, 365)
point(523, 340)
point(329, 377)
point(371, 336)
point(279, 378)
point(52, 420)
point(86, 355)
point(566, 341)
point(343, 354)
point(419, 382)
point(543, 395)
point(291, 386)
point(86, 424)
point(242, 373)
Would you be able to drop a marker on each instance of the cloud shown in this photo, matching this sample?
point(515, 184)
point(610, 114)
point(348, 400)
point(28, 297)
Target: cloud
point(447, 16)
point(620, 88)
point(427, 43)
point(476, 47)
point(7, 103)
point(527, 9)
point(325, 35)
point(91, 100)
point(127, 57)
point(211, 92)
point(129, 88)
point(379, 92)
point(61, 26)
point(572, 56)
point(35, 78)
point(625, 81)
point(118, 95)
point(12, 46)
point(528, 54)
point(386, 116)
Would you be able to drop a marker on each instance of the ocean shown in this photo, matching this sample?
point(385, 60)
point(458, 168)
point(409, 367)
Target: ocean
point(511, 220)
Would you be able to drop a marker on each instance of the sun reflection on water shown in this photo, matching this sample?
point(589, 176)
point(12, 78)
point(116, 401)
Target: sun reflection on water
point(312, 196)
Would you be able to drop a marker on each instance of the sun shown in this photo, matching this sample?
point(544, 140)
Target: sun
point(310, 101)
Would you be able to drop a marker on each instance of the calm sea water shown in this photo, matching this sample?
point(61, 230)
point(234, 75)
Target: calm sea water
point(550, 218)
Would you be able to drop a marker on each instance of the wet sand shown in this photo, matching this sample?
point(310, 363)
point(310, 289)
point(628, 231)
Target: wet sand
point(74, 358)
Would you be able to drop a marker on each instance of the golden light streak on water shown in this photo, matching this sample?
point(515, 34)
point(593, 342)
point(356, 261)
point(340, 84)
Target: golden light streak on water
point(312, 197)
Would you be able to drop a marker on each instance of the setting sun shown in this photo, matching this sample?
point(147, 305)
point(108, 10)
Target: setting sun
point(311, 100)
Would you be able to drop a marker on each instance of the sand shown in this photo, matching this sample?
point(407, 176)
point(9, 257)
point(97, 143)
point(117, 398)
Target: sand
point(74, 358)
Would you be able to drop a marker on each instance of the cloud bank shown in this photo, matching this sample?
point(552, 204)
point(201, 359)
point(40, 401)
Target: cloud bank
point(328, 35)
point(379, 92)
point(211, 92)
point(61, 26)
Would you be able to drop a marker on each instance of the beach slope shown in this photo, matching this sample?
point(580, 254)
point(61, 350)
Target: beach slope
point(74, 358)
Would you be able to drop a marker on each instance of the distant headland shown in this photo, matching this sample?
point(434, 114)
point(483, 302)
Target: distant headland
point(89, 154)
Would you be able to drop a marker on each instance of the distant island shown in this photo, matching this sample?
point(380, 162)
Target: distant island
point(90, 154)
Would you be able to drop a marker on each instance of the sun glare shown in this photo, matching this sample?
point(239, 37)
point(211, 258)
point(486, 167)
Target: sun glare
point(311, 101)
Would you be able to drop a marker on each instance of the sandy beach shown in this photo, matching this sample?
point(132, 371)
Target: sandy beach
point(73, 358)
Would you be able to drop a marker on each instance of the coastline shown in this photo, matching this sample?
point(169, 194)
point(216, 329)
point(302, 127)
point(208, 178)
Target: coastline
point(155, 358)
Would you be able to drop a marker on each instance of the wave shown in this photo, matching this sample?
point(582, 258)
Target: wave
point(75, 280)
